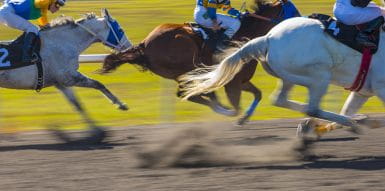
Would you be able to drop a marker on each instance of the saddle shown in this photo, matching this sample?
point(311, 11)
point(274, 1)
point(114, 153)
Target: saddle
point(345, 34)
point(10, 57)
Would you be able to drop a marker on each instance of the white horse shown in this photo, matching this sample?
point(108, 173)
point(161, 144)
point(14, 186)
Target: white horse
point(62, 42)
point(299, 52)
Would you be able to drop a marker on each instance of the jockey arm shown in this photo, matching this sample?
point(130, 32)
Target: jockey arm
point(43, 5)
point(43, 20)
point(212, 9)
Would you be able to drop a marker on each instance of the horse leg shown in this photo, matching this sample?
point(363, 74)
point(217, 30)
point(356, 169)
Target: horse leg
point(380, 92)
point(83, 81)
point(97, 133)
point(316, 91)
point(214, 105)
point(280, 98)
point(70, 95)
point(249, 87)
point(352, 104)
point(218, 106)
point(233, 92)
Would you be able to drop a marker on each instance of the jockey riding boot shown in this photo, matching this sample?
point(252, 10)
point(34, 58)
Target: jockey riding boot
point(28, 44)
point(363, 37)
point(223, 42)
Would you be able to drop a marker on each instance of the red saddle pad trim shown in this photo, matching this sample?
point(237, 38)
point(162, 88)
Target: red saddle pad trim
point(363, 72)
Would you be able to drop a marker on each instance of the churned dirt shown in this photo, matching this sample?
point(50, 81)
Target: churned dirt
point(262, 155)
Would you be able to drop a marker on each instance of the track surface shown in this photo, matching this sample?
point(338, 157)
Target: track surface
point(204, 156)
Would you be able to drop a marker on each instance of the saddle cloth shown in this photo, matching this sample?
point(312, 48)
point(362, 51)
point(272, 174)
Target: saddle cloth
point(10, 54)
point(345, 34)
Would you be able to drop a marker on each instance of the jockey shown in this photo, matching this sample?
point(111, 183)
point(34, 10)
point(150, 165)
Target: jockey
point(206, 15)
point(355, 12)
point(16, 13)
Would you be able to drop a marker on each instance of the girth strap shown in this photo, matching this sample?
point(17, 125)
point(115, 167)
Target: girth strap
point(40, 74)
point(363, 72)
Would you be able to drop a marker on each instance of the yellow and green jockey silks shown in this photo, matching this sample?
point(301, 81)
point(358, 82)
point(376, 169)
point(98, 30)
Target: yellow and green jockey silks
point(213, 5)
point(32, 9)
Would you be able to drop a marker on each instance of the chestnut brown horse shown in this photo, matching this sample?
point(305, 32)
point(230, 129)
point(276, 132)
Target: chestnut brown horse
point(171, 50)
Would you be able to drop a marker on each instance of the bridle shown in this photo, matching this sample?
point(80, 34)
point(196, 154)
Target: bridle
point(118, 46)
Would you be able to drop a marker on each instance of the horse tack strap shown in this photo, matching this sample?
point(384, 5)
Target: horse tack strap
point(363, 72)
point(40, 75)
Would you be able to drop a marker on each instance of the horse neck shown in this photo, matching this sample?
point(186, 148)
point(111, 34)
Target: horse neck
point(69, 38)
point(253, 27)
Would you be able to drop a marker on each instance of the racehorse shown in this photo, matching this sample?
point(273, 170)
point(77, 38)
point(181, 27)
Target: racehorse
point(299, 52)
point(171, 50)
point(62, 42)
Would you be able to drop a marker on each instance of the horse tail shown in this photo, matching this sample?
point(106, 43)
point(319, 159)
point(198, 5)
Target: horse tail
point(133, 55)
point(210, 78)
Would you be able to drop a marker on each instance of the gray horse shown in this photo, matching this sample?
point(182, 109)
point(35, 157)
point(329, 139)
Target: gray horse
point(61, 44)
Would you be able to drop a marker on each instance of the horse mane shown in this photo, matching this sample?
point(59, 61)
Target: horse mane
point(63, 20)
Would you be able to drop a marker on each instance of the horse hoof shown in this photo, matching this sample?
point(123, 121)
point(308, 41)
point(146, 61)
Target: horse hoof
point(242, 121)
point(303, 128)
point(60, 135)
point(370, 123)
point(360, 117)
point(123, 107)
point(97, 135)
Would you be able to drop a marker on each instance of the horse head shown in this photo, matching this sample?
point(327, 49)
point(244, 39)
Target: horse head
point(107, 30)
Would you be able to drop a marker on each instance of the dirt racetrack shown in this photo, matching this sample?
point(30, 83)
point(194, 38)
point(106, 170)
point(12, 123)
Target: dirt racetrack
point(196, 156)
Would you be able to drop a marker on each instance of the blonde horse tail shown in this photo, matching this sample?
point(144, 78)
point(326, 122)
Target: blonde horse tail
point(210, 78)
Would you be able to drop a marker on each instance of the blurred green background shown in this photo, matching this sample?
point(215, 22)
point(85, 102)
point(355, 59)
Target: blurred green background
point(151, 99)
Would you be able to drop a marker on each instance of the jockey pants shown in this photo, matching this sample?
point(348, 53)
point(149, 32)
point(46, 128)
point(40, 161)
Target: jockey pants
point(345, 12)
point(230, 24)
point(9, 18)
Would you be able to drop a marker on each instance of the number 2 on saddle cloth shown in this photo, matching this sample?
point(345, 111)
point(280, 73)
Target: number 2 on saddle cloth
point(10, 54)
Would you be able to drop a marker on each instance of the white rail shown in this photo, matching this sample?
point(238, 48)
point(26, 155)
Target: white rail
point(92, 58)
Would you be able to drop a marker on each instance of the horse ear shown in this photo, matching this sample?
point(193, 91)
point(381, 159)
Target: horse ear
point(105, 13)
